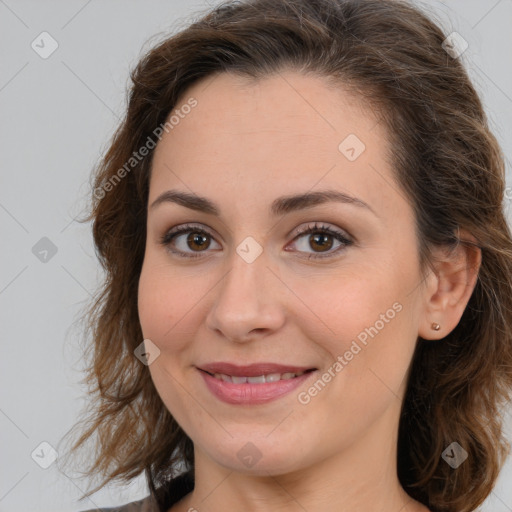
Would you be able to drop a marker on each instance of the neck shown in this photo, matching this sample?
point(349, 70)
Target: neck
point(361, 476)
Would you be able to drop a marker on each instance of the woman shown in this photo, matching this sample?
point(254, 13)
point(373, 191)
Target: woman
point(308, 303)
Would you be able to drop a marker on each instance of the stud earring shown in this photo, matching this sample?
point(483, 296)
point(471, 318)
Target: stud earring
point(435, 326)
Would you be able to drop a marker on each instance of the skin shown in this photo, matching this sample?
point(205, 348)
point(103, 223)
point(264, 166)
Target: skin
point(242, 146)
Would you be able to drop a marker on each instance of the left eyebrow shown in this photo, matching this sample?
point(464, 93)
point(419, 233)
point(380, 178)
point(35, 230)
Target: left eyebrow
point(280, 206)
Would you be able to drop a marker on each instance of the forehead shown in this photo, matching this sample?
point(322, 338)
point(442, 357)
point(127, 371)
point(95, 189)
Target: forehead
point(288, 132)
point(287, 101)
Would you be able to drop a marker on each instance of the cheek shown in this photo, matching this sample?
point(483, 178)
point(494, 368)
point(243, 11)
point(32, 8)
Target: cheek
point(368, 337)
point(341, 305)
point(153, 303)
point(163, 302)
point(159, 307)
point(367, 318)
point(169, 302)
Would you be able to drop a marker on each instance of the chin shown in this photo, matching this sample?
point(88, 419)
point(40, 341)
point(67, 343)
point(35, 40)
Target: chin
point(256, 455)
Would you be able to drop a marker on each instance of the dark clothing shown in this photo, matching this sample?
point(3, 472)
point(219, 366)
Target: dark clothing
point(177, 489)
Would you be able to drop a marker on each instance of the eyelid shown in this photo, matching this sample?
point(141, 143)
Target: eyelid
point(321, 226)
point(181, 229)
point(339, 234)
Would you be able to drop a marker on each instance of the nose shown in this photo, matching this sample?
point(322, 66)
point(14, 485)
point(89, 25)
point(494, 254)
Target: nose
point(249, 301)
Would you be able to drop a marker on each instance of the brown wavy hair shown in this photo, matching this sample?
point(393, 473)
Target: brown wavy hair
point(446, 161)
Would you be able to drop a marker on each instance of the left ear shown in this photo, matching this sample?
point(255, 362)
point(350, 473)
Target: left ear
point(450, 286)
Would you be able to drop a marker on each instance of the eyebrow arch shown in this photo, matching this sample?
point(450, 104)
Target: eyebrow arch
point(280, 206)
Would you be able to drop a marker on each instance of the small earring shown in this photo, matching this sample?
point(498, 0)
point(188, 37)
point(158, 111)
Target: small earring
point(436, 327)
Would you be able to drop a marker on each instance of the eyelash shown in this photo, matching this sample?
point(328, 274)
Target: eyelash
point(168, 237)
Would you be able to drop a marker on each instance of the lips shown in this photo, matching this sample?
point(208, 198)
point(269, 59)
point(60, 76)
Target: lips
point(253, 384)
point(241, 390)
point(252, 370)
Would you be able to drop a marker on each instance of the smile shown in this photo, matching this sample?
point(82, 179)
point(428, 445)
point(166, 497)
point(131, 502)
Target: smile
point(260, 379)
point(254, 390)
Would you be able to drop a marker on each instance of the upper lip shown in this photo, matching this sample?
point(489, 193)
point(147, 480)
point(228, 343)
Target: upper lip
point(252, 370)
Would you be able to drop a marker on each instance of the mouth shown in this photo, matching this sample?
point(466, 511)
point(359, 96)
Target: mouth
point(256, 388)
point(267, 370)
point(257, 379)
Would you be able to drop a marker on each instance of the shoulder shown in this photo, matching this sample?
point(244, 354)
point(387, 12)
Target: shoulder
point(169, 494)
point(144, 505)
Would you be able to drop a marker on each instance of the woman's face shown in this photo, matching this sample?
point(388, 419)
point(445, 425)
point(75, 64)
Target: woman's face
point(251, 289)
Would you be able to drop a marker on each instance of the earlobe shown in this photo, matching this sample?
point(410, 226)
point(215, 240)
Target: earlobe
point(456, 272)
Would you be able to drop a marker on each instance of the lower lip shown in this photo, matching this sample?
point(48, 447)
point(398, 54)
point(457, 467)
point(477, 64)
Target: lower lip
point(251, 394)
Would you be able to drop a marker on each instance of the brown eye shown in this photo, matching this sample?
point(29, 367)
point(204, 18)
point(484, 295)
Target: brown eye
point(196, 241)
point(321, 239)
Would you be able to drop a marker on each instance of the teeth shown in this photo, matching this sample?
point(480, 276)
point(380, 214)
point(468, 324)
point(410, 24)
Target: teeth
point(260, 379)
point(255, 380)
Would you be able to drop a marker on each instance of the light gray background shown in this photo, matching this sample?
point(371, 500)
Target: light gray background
point(56, 118)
